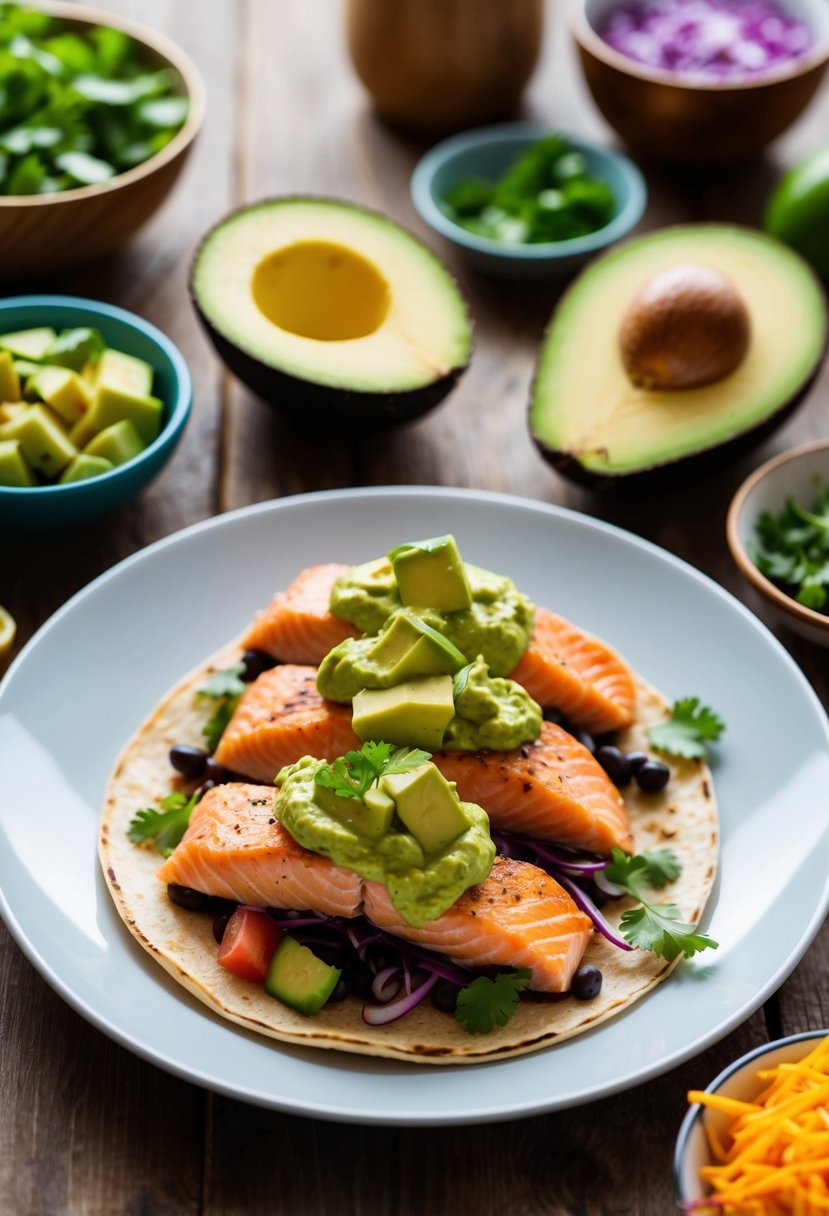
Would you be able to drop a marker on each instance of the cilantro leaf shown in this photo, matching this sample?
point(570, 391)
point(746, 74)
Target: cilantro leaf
point(226, 687)
point(215, 727)
point(687, 730)
point(487, 1003)
point(351, 775)
point(655, 927)
point(163, 828)
point(794, 548)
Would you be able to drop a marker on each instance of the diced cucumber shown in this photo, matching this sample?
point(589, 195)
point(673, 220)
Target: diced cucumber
point(299, 979)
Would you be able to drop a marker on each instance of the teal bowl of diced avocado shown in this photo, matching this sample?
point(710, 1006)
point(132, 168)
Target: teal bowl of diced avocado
point(521, 201)
point(93, 401)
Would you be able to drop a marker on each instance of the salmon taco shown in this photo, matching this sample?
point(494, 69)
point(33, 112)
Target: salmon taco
point(410, 814)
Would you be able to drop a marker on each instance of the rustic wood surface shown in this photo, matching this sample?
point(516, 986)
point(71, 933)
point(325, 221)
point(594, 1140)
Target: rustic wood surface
point(86, 1127)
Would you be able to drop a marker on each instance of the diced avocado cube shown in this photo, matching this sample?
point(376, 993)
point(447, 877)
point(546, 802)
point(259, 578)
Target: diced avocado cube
point(83, 466)
point(28, 343)
point(44, 441)
point(25, 368)
point(299, 979)
point(366, 817)
point(381, 806)
point(117, 443)
point(112, 405)
point(124, 373)
point(63, 390)
point(9, 379)
point(74, 348)
point(409, 647)
point(415, 713)
point(379, 571)
point(10, 411)
point(428, 805)
point(431, 574)
point(14, 471)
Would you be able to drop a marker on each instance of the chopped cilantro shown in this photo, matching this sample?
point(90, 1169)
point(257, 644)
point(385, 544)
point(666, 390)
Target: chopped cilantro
point(226, 687)
point(690, 726)
point(794, 550)
point(487, 1003)
point(655, 927)
point(163, 828)
point(351, 775)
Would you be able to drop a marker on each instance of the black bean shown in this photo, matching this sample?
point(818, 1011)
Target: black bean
point(615, 764)
point(220, 924)
point(189, 761)
point(186, 897)
point(584, 738)
point(202, 790)
point(342, 989)
point(652, 776)
point(215, 772)
point(445, 996)
point(636, 760)
point(361, 978)
point(254, 662)
point(586, 983)
point(553, 715)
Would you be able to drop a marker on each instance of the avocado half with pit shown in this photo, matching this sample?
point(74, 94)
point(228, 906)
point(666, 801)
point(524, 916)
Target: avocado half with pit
point(729, 311)
point(331, 312)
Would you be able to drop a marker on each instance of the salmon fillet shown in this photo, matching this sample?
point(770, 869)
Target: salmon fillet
point(234, 848)
point(553, 789)
point(570, 670)
point(517, 917)
point(280, 718)
point(297, 627)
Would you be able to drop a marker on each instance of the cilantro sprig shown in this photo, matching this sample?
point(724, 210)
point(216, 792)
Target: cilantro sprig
point(487, 1003)
point(651, 926)
point(162, 827)
point(351, 775)
point(690, 727)
point(794, 550)
point(226, 688)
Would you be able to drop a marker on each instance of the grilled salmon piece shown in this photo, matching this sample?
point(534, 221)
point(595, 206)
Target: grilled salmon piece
point(570, 670)
point(280, 718)
point(517, 917)
point(233, 847)
point(553, 789)
point(297, 627)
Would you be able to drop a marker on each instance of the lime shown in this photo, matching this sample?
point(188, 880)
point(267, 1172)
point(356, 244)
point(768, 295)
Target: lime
point(797, 211)
point(8, 632)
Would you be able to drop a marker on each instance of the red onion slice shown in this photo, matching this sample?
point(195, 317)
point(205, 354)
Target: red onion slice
point(381, 1015)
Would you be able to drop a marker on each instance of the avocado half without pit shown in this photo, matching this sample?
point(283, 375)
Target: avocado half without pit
point(673, 351)
point(331, 312)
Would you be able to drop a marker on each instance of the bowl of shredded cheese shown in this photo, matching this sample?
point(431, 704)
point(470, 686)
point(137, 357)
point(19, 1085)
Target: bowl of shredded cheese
point(756, 1141)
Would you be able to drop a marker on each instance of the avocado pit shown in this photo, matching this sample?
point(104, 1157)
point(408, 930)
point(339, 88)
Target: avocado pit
point(687, 327)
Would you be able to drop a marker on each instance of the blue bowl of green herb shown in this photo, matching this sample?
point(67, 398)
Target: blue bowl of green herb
point(522, 201)
point(778, 534)
point(97, 116)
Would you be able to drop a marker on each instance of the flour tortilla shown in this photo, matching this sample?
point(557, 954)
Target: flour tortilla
point(683, 817)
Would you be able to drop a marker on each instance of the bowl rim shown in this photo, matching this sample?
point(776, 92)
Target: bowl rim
point(744, 563)
point(590, 41)
point(179, 408)
point(194, 88)
point(696, 1110)
point(631, 211)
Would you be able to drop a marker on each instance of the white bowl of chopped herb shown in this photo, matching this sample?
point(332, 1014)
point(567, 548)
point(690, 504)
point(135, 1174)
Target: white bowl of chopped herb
point(754, 1139)
point(97, 116)
point(778, 533)
point(523, 201)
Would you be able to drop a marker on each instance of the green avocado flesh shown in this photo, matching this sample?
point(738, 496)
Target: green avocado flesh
point(331, 295)
point(425, 872)
point(593, 424)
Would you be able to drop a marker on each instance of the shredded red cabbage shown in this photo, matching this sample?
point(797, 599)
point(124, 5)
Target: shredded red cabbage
point(716, 41)
point(381, 1015)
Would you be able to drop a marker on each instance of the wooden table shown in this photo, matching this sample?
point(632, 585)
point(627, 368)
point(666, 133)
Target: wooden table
point(86, 1127)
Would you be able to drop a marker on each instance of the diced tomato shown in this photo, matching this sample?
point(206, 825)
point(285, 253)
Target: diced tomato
point(249, 943)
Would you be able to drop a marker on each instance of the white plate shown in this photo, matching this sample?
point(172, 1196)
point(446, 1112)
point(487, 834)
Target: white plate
point(88, 678)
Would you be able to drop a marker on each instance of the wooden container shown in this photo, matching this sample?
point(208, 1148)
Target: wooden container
point(435, 66)
point(43, 233)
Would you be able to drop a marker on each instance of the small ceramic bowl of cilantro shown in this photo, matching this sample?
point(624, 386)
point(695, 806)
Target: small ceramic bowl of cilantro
point(522, 201)
point(97, 117)
point(778, 533)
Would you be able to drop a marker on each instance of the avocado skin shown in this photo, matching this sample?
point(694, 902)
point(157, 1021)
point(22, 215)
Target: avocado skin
point(677, 472)
point(312, 405)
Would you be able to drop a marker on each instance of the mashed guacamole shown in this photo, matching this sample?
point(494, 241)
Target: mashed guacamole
point(490, 712)
point(420, 887)
point(498, 624)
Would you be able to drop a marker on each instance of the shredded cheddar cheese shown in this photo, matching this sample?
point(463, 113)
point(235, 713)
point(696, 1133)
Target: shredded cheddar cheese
point(773, 1157)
